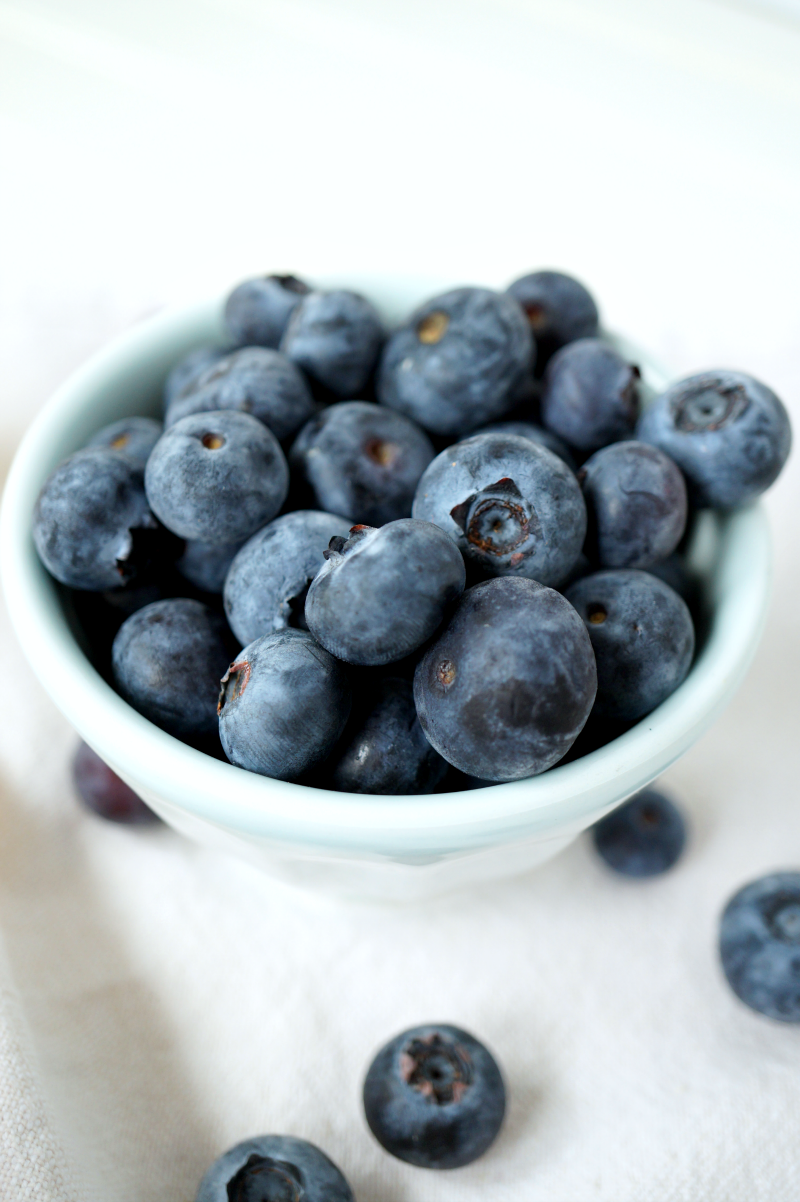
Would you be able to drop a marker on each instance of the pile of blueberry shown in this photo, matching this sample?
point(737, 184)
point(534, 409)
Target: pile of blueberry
point(405, 561)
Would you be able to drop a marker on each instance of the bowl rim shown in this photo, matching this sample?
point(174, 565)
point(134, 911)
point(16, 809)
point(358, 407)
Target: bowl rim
point(262, 808)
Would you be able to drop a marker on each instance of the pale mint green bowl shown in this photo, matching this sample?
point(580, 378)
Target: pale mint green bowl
point(370, 847)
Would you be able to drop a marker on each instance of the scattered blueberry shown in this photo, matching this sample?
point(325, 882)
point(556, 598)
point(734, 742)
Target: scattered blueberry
point(88, 518)
point(643, 837)
point(252, 380)
point(384, 592)
point(274, 1168)
point(458, 361)
point(363, 460)
point(728, 433)
point(434, 1097)
point(283, 704)
point(506, 688)
point(187, 369)
point(643, 639)
point(168, 659)
point(216, 477)
point(511, 506)
point(559, 309)
point(105, 793)
point(336, 338)
point(258, 310)
point(636, 504)
point(545, 438)
point(266, 586)
point(205, 565)
point(590, 395)
point(133, 437)
point(759, 944)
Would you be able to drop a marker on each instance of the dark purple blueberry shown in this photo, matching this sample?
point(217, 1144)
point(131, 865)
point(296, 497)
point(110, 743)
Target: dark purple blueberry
point(362, 460)
point(590, 396)
point(104, 792)
point(506, 688)
point(434, 1097)
point(133, 437)
point(729, 434)
point(545, 438)
point(458, 361)
point(168, 659)
point(636, 504)
point(205, 565)
point(512, 507)
point(643, 837)
point(251, 380)
point(759, 944)
point(91, 518)
point(559, 309)
point(383, 592)
point(274, 1168)
point(283, 704)
point(336, 338)
point(258, 310)
point(266, 586)
point(187, 369)
point(643, 640)
point(217, 477)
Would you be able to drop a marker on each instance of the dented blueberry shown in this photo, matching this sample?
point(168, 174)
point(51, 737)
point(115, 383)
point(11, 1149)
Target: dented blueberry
point(274, 1168)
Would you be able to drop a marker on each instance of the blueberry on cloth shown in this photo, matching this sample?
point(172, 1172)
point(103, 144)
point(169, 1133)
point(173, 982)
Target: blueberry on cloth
point(590, 395)
point(643, 639)
point(274, 1168)
point(384, 749)
point(258, 310)
point(266, 586)
point(187, 369)
point(559, 309)
point(168, 659)
point(636, 504)
point(729, 434)
point(205, 565)
point(283, 704)
point(545, 438)
point(384, 592)
point(253, 380)
point(87, 519)
point(458, 361)
point(643, 837)
point(759, 944)
point(103, 792)
point(216, 477)
point(507, 687)
point(434, 1097)
point(133, 437)
point(336, 338)
point(512, 507)
point(363, 460)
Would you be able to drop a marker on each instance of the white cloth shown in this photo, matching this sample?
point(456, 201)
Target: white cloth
point(158, 1002)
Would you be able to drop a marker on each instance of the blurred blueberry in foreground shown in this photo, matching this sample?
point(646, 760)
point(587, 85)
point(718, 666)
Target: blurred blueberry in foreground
point(643, 837)
point(759, 943)
point(274, 1168)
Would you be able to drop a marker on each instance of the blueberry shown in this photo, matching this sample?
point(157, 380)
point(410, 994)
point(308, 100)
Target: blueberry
point(643, 639)
point(133, 437)
point(728, 433)
point(505, 690)
point(266, 585)
point(362, 460)
point(559, 309)
point(458, 361)
point(168, 659)
point(590, 396)
point(253, 380)
point(675, 572)
point(643, 837)
point(336, 338)
point(257, 311)
point(383, 749)
point(383, 592)
point(283, 705)
point(545, 438)
point(759, 944)
point(274, 1168)
point(187, 369)
point(216, 477)
point(104, 792)
point(89, 520)
point(205, 565)
point(636, 503)
point(434, 1097)
point(510, 505)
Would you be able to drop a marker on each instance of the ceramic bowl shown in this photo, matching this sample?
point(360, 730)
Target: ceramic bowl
point(370, 847)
